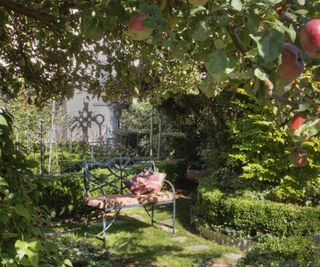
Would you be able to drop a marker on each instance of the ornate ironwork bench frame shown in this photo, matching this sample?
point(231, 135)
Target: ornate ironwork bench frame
point(120, 169)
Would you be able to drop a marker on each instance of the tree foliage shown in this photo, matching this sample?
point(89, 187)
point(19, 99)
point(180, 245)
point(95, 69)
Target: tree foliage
point(22, 223)
point(50, 48)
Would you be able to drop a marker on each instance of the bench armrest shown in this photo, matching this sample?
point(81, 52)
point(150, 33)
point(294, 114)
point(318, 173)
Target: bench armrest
point(171, 185)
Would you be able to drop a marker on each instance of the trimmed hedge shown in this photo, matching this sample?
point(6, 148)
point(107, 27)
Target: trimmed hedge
point(289, 251)
point(249, 216)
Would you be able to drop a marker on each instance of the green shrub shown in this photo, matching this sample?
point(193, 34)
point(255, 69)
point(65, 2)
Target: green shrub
point(62, 195)
point(175, 169)
point(249, 216)
point(289, 251)
point(260, 157)
point(22, 223)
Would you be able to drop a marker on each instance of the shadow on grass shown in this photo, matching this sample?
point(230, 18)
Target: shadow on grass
point(133, 242)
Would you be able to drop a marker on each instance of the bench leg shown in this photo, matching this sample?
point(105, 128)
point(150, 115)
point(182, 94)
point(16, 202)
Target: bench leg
point(104, 224)
point(174, 216)
point(152, 215)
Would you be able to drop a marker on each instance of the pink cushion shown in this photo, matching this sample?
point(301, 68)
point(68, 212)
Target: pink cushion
point(145, 182)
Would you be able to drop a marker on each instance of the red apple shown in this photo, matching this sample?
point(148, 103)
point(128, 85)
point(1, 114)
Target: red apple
point(297, 121)
point(137, 30)
point(279, 9)
point(198, 2)
point(292, 63)
point(310, 38)
point(298, 158)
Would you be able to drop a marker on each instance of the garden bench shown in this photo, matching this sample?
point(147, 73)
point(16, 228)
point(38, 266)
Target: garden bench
point(105, 190)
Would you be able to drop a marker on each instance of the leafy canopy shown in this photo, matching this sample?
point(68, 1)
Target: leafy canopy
point(51, 47)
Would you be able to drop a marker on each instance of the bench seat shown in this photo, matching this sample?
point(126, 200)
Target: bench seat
point(129, 200)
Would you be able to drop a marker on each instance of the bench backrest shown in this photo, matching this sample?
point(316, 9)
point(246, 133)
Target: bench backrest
point(103, 178)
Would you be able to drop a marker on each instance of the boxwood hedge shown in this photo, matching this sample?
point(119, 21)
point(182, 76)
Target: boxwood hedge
point(252, 217)
point(288, 251)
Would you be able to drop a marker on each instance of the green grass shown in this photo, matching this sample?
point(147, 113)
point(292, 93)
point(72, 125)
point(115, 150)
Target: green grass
point(133, 242)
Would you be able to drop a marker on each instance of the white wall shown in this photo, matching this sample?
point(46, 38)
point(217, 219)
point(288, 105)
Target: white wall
point(99, 111)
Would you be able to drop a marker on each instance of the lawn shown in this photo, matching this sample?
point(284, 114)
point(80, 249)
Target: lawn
point(132, 241)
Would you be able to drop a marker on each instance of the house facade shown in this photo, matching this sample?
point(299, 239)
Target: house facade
point(90, 119)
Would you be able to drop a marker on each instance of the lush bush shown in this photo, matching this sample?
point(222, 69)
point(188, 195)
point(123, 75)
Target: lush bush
point(248, 215)
point(175, 169)
point(62, 195)
point(22, 223)
point(256, 156)
point(260, 157)
point(289, 251)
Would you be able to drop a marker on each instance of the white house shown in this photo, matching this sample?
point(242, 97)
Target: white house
point(90, 118)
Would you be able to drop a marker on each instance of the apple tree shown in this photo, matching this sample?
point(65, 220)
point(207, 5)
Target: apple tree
point(152, 48)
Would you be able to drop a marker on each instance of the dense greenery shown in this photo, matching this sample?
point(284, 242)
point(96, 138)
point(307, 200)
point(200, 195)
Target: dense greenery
point(257, 157)
point(22, 223)
point(245, 214)
point(193, 49)
point(290, 251)
point(61, 195)
point(49, 48)
point(175, 170)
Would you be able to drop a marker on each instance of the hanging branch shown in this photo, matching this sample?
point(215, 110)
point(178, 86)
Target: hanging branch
point(44, 18)
point(236, 39)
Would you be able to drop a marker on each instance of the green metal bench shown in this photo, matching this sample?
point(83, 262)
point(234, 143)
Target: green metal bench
point(106, 193)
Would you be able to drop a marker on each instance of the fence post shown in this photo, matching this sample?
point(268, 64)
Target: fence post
point(151, 133)
point(159, 139)
point(41, 148)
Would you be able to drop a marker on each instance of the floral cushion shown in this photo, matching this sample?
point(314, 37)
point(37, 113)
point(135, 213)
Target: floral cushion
point(145, 182)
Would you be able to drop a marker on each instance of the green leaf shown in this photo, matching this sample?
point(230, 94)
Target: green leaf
point(245, 75)
point(216, 62)
point(3, 183)
point(67, 262)
point(3, 16)
point(270, 45)
point(208, 87)
point(33, 257)
point(260, 74)
point(22, 211)
point(223, 20)
point(202, 32)
point(21, 248)
point(302, 12)
point(301, 2)
point(7, 235)
point(196, 9)
point(253, 22)
point(236, 4)
point(219, 44)
point(3, 121)
point(252, 53)
point(35, 244)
